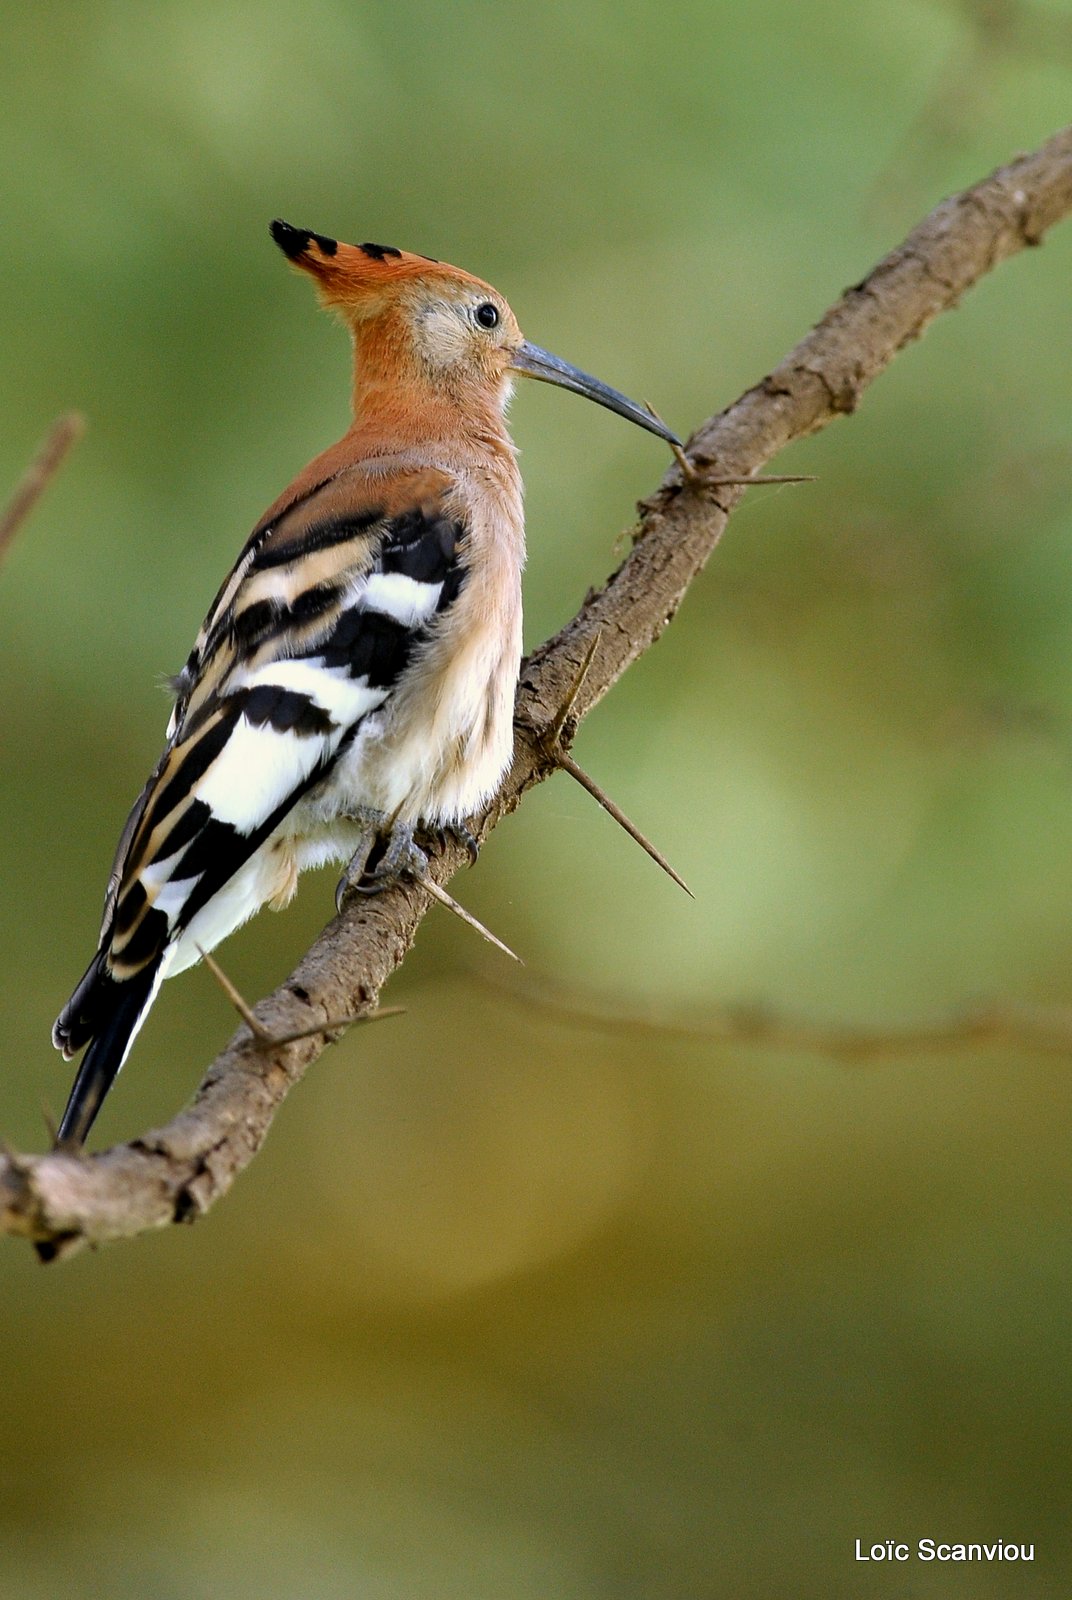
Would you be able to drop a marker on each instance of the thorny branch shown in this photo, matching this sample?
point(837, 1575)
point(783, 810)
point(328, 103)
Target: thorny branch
point(175, 1173)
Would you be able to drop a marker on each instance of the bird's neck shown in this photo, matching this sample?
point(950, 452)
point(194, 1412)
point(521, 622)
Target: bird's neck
point(398, 404)
point(388, 413)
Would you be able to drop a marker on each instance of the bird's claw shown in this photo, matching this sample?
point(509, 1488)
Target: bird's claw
point(460, 834)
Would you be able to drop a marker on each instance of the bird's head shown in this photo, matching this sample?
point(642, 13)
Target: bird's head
point(419, 323)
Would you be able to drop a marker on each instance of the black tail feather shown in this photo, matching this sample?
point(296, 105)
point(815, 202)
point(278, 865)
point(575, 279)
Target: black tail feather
point(82, 1015)
point(127, 1003)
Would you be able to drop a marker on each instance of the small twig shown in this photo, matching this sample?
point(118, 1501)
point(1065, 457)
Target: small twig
point(264, 1035)
point(567, 763)
point(1047, 1029)
point(440, 894)
point(64, 432)
point(689, 471)
point(245, 1011)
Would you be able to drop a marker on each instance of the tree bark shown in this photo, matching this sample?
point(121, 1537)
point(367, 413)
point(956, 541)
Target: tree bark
point(175, 1173)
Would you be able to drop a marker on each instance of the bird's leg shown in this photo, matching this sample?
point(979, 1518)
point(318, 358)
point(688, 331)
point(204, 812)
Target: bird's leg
point(372, 825)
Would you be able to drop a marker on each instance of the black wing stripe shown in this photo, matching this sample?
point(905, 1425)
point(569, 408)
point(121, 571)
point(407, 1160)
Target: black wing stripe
point(216, 843)
point(285, 710)
point(145, 942)
point(115, 877)
point(221, 859)
point(187, 825)
point(255, 622)
point(452, 586)
point(197, 756)
point(321, 536)
point(129, 909)
point(422, 547)
point(428, 549)
point(368, 644)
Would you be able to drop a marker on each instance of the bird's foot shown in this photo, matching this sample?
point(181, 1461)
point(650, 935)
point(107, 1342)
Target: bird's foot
point(401, 859)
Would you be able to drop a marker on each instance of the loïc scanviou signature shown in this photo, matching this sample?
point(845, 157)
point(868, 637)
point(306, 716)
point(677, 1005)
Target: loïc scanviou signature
point(936, 1550)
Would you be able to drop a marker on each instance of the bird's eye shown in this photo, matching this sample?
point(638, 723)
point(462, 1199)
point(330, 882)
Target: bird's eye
point(487, 315)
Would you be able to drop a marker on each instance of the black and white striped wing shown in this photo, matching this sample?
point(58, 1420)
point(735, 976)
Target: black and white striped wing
point(312, 631)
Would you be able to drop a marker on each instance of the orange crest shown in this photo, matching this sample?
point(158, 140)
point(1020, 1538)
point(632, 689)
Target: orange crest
point(359, 278)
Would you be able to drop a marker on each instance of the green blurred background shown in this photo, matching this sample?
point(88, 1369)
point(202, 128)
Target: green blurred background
point(512, 1304)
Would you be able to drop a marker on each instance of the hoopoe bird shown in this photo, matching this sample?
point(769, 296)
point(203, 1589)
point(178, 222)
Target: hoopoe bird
point(354, 680)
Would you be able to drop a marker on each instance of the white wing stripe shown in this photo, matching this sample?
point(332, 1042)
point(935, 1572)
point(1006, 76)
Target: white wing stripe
point(407, 600)
point(256, 772)
point(173, 897)
point(345, 699)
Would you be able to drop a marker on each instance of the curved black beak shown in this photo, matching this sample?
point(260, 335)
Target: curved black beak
point(537, 363)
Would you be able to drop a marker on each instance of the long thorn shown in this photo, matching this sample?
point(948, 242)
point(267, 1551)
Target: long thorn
point(264, 1035)
point(64, 432)
point(566, 761)
point(331, 1023)
point(440, 894)
point(254, 1024)
point(770, 477)
point(570, 701)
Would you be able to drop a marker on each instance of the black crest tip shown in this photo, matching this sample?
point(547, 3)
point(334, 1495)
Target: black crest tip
point(377, 252)
point(295, 241)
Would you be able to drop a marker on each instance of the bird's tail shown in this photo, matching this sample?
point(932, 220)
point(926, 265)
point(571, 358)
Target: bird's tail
point(107, 1013)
